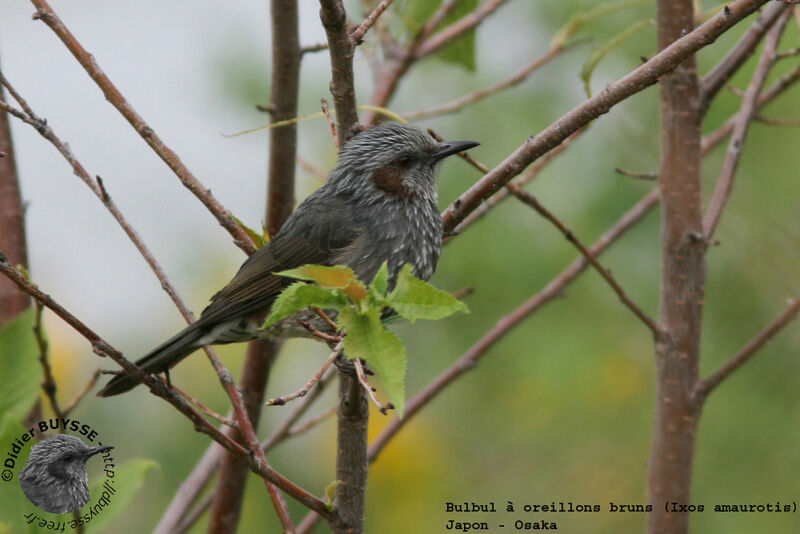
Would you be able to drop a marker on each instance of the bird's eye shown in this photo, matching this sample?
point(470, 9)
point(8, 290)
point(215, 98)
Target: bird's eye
point(404, 161)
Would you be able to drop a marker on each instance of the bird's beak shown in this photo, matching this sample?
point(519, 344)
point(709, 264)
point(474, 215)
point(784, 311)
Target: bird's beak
point(95, 450)
point(453, 147)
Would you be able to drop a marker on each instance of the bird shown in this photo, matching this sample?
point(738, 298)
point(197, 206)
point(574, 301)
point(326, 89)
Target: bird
point(379, 204)
point(54, 478)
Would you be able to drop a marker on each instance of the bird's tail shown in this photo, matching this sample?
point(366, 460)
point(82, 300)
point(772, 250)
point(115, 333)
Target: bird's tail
point(158, 360)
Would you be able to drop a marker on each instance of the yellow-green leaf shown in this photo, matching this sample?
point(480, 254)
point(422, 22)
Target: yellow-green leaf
point(22, 373)
point(414, 299)
point(331, 277)
point(301, 295)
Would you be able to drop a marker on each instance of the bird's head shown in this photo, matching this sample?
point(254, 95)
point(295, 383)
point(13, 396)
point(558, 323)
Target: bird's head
point(62, 456)
point(393, 160)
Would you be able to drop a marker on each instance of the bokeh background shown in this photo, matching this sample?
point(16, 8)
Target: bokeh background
point(561, 409)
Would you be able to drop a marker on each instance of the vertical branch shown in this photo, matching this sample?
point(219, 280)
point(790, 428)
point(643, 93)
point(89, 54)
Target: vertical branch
point(334, 19)
point(286, 57)
point(12, 223)
point(353, 412)
point(682, 278)
point(351, 456)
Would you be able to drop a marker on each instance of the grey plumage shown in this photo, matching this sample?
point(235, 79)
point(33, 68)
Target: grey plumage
point(54, 478)
point(379, 204)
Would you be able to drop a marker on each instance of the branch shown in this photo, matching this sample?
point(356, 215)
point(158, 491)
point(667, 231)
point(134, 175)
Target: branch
point(735, 58)
point(742, 124)
point(334, 19)
point(516, 79)
point(712, 140)
point(158, 388)
point(531, 201)
point(357, 35)
point(523, 180)
point(641, 78)
point(46, 14)
point(706, 386)
point(82, 393)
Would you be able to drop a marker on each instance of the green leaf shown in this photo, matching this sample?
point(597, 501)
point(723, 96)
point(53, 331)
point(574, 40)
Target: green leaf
point(330, 493)
point(13, 503)
point(599, 53)
point(331, 277)
point(301, 295)
point(22, 373)
point(258, 239)
point(414, 299)
point(381, 281)
point(382, 350)
point(128, 480)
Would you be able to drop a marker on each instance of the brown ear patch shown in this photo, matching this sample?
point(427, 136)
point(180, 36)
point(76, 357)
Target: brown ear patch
point(390, 179)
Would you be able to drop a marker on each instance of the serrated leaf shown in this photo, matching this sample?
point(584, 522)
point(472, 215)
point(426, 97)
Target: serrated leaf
point(414, 299)
point(381, 281)
point(330, 493)
point(366, 338)
point(259, 240)
point(331, 277)
point(128, 480)
point(22, 373)
point(602, 51)
point(13, 503)
point(301, 295)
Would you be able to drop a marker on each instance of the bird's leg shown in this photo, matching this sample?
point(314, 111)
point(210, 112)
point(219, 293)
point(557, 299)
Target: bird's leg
point(166, 378)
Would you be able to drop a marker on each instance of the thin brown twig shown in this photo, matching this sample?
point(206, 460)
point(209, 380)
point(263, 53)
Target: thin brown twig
point(357, 35)
point(460, 103)
point(704, 387)
point(311, 169)
point(205, 409)
point(324, 316)
point(314, 331)
point(318, 47)
point(362, 379)
point(46, 14)
point(302, 428)
point(788, 53)
point(531, 201)
point(776, 121)
point(87, 387)
point(283, 399)
point(743, 118)
point(523, 180)
point(767, 95)
point(650, 176)
point(327, 112)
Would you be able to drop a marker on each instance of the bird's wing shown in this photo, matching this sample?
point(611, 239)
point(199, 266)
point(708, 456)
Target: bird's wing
point(312, 235)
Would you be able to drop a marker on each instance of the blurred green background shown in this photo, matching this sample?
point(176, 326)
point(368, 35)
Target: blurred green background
point(559, 410)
